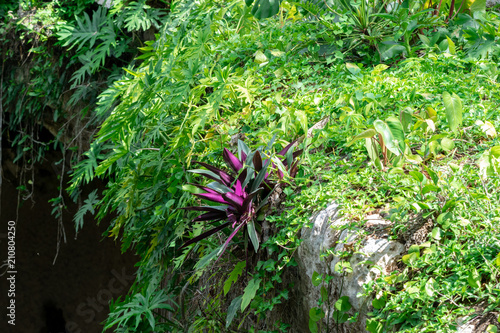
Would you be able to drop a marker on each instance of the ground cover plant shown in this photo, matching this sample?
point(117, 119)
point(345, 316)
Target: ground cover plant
point(408, 101)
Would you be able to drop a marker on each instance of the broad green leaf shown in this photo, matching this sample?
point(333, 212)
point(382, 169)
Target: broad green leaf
point(353, 68)
point(425, 40)
point(388, 51)
point(374, 326)
point(277, 53)
point(316, 279)
point(369, 133)
point(432, 174)
point(430, 287)
point(487, 128)
point(417, 175)
point(379, 68)
point(477, 6)
point(260, 57)
point(383, 129)
point(410, 259)
point(492, 329)
point(379, 303)
point(474, 279)
point(324, 294)
point(302, 118)
point(415, 159)
point(431, 113)
point(451, 45)
point(495, 151)
point(263, 9)
point(397, 133)
point(414, 248)
point(406, 118)
point(343, 304)
point(453, 107)
point(249, 293)
point(316, 314)
point(313, 326)
point(372, 149)
point(340, 317)
point(447, 144)
point(497, 260)
point(430, 125)
point(232, 309)
point(233, 277)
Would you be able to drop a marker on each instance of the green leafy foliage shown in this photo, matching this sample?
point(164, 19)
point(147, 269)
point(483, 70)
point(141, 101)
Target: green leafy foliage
point(214, 74)
point(87, 207)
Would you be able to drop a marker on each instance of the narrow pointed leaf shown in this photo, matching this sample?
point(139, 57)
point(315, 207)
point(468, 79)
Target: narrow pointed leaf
point(252, 233)
point(206, 189)
point(226, 243)
point(243, 150)
point(284, 150)
point(205, 235)
point(210, 216)
point(288, 157)
point(235, 200)
point(238, 189)
point(260, 176)
point(249, 198)
point(257, 161)
point(271, 143)
point(206, 173)
point(212, 197)
point(232, 160)
point(369, 133)
point(206, 208)
point(223, 176)
point(216, 186)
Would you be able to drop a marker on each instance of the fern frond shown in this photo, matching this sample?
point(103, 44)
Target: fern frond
point(87, 30)
point(88, 206)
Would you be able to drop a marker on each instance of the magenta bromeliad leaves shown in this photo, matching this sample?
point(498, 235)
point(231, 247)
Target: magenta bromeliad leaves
point(241, 193)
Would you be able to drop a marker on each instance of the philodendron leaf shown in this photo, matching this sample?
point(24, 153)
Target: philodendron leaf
point(371, 147)
point(233, 277)
point(249, 293)
point(397, 132)
point(390, 49)
point(453, 106)
point(383, 129)
point(369, 133)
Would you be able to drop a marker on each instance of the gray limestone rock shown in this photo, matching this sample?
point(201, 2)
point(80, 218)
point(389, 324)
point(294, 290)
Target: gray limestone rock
point(329, 231)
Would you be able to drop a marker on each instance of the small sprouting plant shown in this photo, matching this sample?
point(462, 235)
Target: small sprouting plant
point(243, 192)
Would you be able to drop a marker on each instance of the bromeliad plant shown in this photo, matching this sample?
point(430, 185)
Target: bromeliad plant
point(243, 192)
